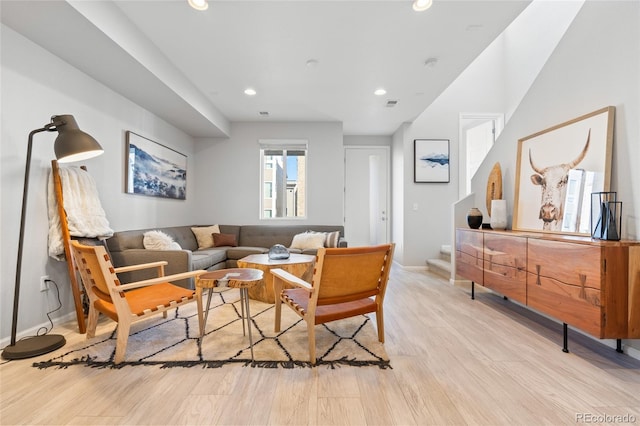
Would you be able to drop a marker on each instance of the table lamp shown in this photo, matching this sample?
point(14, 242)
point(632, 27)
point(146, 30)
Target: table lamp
point(72, 144)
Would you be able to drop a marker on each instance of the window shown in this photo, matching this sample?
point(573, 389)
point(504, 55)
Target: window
point(283, 178)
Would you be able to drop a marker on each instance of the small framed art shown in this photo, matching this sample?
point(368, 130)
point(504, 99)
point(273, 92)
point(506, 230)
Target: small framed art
point(431, 160)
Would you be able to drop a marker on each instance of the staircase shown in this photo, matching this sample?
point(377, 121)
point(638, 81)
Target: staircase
point(441, 265)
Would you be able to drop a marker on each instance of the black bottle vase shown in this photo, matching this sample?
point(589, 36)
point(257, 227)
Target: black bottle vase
point(474, 218)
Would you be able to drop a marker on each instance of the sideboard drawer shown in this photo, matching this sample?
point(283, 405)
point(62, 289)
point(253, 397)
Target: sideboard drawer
point(505, 263)
point(469, 257)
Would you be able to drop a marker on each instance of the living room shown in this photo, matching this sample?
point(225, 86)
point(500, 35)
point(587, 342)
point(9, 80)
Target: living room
point(595, 64)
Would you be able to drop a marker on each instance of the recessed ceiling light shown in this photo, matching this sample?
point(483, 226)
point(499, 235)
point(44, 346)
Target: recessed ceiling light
point(198, 4)
point(422, 5)
point(380, 92)
point(311, 63)
point(264, 113)
point(250, 91)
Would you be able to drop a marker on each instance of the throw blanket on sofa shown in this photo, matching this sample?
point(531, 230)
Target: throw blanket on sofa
point(85, 216)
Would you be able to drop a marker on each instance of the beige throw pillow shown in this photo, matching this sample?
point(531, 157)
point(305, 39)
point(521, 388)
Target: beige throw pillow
point(331, 238)
point(158, 240)
point(308, 240)
point(203, 235)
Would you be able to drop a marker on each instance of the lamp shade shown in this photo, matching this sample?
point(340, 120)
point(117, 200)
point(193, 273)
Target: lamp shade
point(72, 144)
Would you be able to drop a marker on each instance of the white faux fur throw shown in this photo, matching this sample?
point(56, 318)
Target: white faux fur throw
point(85, 216)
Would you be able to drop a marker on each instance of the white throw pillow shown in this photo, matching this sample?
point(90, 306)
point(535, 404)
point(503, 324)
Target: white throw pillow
point(204, 235)
point(308, 240)
point(158, 240)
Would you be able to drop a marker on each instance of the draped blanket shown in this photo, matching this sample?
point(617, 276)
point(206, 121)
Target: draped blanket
point(85, 216)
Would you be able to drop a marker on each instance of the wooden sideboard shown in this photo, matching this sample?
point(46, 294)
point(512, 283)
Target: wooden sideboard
point(592, 285)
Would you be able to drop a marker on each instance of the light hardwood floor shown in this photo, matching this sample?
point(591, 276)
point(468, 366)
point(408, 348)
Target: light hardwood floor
point(454, 361)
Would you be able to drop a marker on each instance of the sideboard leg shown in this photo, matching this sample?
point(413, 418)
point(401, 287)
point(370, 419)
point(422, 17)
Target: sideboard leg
point(619, 346)
point(473, 290)
point(565, 339)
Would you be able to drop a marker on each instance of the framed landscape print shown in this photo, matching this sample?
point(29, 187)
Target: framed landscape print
point(557, 170)
point(431, 160)
point(154, 169)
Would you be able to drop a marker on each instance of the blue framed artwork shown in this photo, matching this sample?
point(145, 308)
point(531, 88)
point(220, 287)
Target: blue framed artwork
point(431, 160)
point(154, 169)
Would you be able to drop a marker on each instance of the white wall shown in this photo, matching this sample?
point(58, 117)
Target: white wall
point(367, 140)
point(587, 71)
point(228, 172)
point(494, 83)
point(35, 86)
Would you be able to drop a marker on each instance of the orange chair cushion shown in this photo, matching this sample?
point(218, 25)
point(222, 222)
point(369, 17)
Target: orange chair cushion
point(299, 300)
point(144, 299)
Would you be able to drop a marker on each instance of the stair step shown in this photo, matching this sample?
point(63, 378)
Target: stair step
point(445, 253)
point(440, 267)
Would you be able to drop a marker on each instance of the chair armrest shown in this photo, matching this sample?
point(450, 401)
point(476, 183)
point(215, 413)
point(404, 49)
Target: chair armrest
point(291, 279)
point(179, 261)
point(141, 266)
point(161, 280)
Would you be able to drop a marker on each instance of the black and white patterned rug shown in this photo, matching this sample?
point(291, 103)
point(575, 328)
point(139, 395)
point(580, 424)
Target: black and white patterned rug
point(174, 342)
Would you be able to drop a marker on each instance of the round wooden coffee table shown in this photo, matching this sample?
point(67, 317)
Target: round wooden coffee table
point(300, 265)
point(242, 278)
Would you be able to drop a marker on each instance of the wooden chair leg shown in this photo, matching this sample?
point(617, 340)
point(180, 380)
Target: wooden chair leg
point(380, 323)
point(311, 330)
point(200, 310)
point(277, 289)
point(92, 321)
point(122, 340)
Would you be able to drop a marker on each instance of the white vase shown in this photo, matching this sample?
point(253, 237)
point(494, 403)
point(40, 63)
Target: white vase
point(498, 214)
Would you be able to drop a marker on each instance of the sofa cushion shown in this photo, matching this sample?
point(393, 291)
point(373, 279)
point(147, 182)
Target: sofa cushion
point(220, 240)
point(204, 259)
point(204, 235)
point(236, 253)
point(310, 252)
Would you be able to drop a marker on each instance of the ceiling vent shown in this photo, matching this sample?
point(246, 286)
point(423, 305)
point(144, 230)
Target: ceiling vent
point(264, 113)
point(391, 103)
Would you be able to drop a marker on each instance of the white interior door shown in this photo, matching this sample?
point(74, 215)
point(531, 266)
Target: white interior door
point(366, 203)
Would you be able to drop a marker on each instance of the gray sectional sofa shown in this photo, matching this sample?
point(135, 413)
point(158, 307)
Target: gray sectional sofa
point(127, 248)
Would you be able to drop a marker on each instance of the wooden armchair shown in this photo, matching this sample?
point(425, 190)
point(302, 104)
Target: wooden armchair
point(346, 282)
point(128, 303)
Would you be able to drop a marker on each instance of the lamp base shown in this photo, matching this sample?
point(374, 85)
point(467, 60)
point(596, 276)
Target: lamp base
point(34, 346)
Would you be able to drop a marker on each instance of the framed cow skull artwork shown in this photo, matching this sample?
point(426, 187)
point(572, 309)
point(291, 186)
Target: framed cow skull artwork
point(557, 170)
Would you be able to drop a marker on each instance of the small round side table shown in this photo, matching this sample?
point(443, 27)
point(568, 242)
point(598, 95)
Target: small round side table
point(240, 278)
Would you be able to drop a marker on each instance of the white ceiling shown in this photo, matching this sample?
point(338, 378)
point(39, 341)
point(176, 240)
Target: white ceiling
point(191, 67)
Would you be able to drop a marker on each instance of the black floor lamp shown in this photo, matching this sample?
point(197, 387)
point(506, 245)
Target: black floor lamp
point(72, 144)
